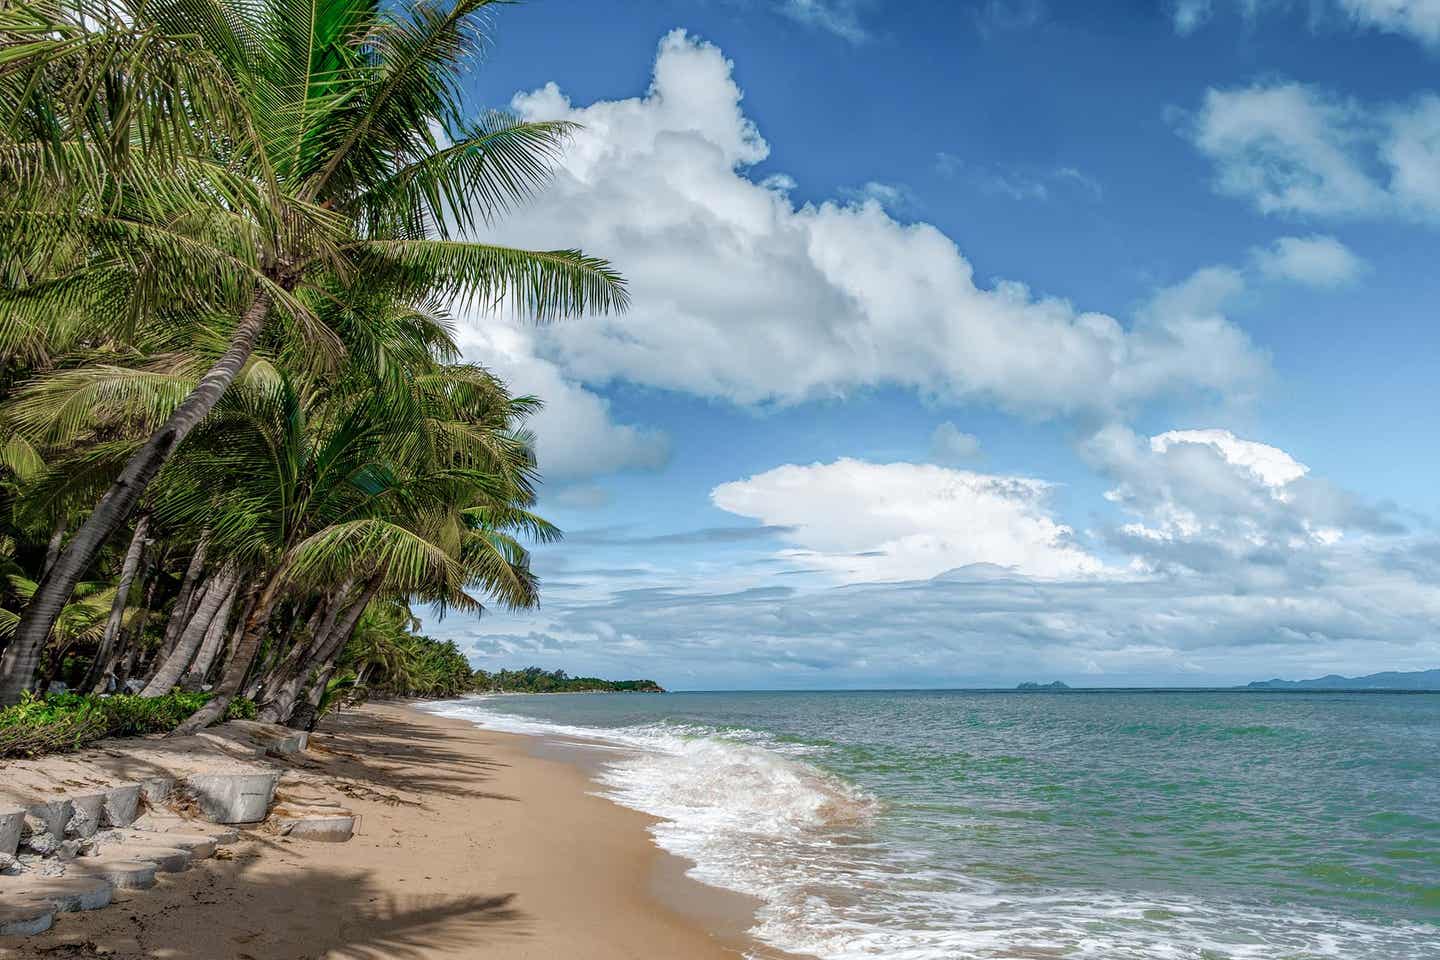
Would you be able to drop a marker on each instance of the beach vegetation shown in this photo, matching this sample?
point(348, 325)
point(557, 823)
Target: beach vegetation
point(68, 721)
point(238, 439)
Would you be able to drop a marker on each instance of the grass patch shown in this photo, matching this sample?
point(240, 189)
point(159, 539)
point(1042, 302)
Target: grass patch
point(68, 721)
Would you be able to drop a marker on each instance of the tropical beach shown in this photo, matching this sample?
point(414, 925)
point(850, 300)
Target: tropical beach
point(944, 480)
point(470, 844)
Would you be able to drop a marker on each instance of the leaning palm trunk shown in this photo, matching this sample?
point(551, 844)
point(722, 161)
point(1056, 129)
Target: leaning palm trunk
point(214, 638)
point(52, 549)
point(96, 676)
point(186, 599)
point(216, 597)
point(17, 668)
point(308, 713)
point(210, 650)
point(242, 654)
point(285, 682)
point(324, 646)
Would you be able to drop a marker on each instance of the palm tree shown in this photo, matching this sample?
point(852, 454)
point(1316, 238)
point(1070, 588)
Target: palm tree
point(305, 142)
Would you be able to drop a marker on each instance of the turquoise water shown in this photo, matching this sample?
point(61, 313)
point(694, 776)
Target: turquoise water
point(1115, 825)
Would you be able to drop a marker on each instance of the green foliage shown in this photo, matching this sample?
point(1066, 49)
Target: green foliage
point(535, 680)
point(389, 659)
point(68, 721)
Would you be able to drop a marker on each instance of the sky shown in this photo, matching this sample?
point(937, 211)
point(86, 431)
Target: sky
point(979, 342)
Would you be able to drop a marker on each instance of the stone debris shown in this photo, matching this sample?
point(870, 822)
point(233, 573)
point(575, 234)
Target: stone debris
point(65, 849)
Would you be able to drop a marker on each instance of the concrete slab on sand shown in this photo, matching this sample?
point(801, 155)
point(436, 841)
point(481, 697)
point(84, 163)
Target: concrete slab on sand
point(123, 874)
point(67, 893)
point(26, 918)
point(163, 824)
point(198, 845)
point(234, 797)
point(167, 859)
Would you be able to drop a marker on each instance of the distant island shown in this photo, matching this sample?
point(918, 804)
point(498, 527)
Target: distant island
point(536, 680)
point(1390, 680)
point(1052, 685)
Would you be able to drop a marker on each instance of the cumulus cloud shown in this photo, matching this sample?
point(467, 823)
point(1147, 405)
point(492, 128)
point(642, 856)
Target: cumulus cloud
point(861, 521)
point(741, 295)
point(1234, 562)
point(575, 434)
point(1316, 261)
point(1296, 149)
point(950, 444)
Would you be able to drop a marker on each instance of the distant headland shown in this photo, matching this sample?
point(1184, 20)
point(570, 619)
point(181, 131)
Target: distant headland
point(536, 680)
point(1052, 685)
point(1390, 680)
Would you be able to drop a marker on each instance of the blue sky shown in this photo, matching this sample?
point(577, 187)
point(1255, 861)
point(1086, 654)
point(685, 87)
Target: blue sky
point(981, 342)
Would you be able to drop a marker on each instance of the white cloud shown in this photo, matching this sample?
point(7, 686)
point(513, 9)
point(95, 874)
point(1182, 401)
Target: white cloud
point(840, 17)
point(1016, 183)
point(1419, 18)
point(1211, 503)
point(950, 444)
point(1292, 148)
point(741, 295)
point(1316, 261)
point(575, 435)
point(1243, 565)
point(862, 521)
point(1191, 15)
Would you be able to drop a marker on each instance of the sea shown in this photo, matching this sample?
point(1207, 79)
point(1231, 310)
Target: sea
point(1104, 825)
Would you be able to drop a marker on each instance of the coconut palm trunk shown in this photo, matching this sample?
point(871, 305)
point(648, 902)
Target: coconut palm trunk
point(100, 666)
point(214, 640)
point(285, 682)
point(17, 668)
point(241, 656)
point(52, 549)
point(215, 600)
point(186, 599)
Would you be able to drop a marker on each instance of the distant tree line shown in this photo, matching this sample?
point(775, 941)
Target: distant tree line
point(536, 680)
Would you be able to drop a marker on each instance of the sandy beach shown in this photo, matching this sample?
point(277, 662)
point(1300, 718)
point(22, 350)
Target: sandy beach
point(470, 845)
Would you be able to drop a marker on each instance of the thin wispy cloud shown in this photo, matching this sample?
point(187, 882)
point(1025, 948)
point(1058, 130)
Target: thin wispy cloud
point(840, 17)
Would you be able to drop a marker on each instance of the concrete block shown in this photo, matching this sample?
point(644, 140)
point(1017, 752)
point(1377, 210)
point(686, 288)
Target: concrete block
point(156, 790)
point(323, 825)
point(43, 830)
point(163, 825)
point(198, 845)
point(87, 809)
point(12, 824)
point(26, 918)
point(50, 816)
point(234, 797)
point(122, 805)
point(120, 872)
point(273, 738)
point(68, 894)
point(166, 859)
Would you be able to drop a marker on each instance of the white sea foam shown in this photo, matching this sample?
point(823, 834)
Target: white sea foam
point(755, 817)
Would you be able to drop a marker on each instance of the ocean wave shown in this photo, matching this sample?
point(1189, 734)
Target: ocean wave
point(755, 815)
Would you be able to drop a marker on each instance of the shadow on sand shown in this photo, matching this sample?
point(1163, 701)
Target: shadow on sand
point(320, 913)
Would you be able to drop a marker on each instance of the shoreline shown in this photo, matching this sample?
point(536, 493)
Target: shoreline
point(471, 843)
